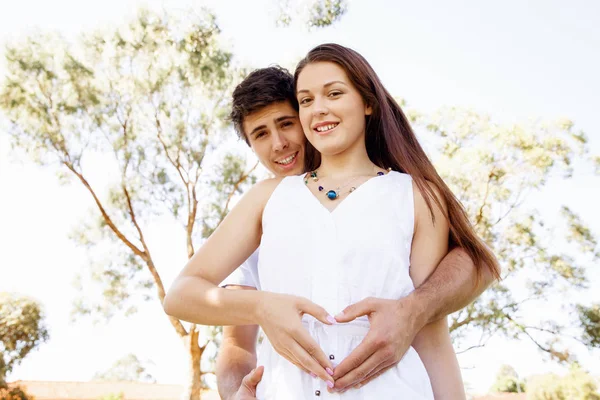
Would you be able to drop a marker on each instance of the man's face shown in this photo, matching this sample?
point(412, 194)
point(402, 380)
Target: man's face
point(276, 136)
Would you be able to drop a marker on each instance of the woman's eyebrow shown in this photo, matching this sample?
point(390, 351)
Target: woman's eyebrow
point(325, 85)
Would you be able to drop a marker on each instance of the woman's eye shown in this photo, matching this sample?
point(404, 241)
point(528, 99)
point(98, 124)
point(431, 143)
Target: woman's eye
point(335, 93)
point(304, 100)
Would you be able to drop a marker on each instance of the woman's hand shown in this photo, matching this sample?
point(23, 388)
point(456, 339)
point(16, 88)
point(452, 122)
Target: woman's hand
point(280, 316)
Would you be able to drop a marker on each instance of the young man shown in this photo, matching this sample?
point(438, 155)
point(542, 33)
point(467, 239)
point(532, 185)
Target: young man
point(265, 116)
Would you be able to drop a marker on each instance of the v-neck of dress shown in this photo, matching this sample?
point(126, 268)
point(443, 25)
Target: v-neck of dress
point(341, 201)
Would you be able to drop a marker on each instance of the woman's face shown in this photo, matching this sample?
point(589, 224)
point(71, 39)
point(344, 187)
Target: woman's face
point(332, 111)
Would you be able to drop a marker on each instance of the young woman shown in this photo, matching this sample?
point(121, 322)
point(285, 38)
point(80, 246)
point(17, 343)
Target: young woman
point(371, 219)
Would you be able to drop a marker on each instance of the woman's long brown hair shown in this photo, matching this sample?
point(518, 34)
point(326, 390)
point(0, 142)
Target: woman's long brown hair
point(391, 142)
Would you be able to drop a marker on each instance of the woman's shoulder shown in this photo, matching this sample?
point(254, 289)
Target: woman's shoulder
point(265, 188)
point(262, 190)
point(269, 183)
point(429, 201)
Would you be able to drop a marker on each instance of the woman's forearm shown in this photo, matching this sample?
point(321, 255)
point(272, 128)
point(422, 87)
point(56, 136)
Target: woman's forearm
point(435, 349)
point(199, 301)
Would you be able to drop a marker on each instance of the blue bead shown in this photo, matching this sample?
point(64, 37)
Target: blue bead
point(320, 188)
point(332, 195)
point(380, 173)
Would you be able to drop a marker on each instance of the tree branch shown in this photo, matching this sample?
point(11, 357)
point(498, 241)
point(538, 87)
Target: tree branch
point(487, 192)
point(105, 215)
point(146, 255)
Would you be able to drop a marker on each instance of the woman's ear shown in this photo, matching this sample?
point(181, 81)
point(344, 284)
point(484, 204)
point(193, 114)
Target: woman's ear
point(368, 110)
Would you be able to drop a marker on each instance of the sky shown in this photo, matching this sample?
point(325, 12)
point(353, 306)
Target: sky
point(513, 60)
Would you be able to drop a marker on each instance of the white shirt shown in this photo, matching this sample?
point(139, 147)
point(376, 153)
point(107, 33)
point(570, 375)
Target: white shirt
point(246, 274)
point(335, 259)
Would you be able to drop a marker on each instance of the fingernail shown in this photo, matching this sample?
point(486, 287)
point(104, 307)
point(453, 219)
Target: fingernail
point(330, 384)
point(313, 374)
point(331, 319)
point(340, 314)
point(329, 371)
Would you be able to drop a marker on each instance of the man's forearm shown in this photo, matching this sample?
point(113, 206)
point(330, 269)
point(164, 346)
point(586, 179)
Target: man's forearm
point(452, 286)
point(235, 360)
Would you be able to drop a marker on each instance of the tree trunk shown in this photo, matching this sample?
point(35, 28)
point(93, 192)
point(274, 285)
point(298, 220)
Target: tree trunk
point(194, 388)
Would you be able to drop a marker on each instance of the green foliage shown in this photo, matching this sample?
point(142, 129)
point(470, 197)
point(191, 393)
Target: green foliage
point(128, 368)
point(144, 104)
point(22, 329)
point(313, 14)
point(326, 12)
point(507, 380)
point(146, 100)
point(492, 168)
point(590, 321)
point(576, 385)
point(14, 393)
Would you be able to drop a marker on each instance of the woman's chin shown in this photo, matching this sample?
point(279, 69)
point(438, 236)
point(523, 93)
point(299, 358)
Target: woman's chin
point(330, 151)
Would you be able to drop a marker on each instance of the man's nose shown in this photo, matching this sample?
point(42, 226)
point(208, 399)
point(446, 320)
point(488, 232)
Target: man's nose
point(279, 141)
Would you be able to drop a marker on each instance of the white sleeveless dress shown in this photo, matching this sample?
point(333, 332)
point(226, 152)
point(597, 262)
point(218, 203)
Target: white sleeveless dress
point(335, 259)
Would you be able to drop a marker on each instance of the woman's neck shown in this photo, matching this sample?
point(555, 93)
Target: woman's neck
point(346, 164)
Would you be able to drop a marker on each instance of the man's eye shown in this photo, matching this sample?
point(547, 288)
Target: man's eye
point(286, 124)
point(259, 135)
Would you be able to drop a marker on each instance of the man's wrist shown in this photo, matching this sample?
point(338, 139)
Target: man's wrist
point(418, 312)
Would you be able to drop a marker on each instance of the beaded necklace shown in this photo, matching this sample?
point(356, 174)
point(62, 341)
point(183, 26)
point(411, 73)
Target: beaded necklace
point(334, 194)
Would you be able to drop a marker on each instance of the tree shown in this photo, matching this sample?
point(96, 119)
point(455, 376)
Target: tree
point(147, 101)
point(492, 168)
point(507, 380)
point(22, 329)
point(576, 385)
point(14, 393)
point(589, 318)
point(128, 368)
point(313, 14)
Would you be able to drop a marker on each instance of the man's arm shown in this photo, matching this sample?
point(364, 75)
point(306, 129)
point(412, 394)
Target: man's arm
point(237, 356)
point(453, 285)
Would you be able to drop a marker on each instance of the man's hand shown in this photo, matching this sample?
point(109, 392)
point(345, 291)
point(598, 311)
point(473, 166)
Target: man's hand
point(393, 327)
point(280, 316)
point(247, 390)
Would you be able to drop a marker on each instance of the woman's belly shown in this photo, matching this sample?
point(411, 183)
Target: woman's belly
point(282, 380)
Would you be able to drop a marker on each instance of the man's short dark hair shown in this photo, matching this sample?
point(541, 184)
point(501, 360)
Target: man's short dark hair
point(260, 89)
